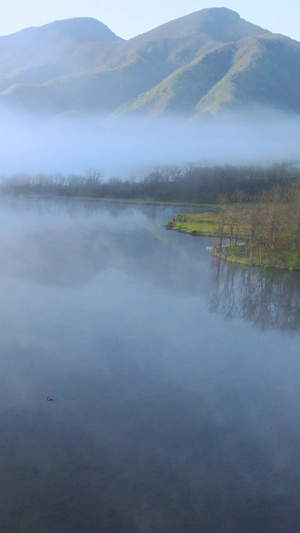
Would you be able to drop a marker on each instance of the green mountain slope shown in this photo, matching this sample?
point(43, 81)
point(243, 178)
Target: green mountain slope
point(100, 92)
point(181, 92)
point(266, 72)
point(205, 62)
point(263, 70)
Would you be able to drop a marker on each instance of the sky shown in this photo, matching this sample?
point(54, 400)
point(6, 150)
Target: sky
point(128, 18)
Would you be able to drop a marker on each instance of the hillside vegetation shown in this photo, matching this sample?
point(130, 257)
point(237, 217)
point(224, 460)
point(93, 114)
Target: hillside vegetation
point(205, 62)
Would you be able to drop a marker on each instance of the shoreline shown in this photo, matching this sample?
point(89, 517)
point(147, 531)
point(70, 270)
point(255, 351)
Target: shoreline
point(206, 225)
point(109, 200)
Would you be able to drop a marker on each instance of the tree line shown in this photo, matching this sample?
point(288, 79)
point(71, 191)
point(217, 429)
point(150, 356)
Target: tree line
point(197, 183)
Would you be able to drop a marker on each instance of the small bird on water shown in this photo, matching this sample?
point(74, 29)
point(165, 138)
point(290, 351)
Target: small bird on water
point(50, 399)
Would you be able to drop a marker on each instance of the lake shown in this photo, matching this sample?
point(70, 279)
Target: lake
point(175, 378)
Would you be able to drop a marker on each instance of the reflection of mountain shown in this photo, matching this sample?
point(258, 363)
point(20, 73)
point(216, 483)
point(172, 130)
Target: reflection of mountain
point(268, 299)
point(69, 243)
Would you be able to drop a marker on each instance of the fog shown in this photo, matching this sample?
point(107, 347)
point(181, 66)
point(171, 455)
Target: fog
point(127, 146)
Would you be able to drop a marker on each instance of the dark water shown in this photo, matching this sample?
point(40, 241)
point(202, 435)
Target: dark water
point(175, 378)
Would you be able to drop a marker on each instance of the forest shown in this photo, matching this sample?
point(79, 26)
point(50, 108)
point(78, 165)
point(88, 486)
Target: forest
point(193, 184)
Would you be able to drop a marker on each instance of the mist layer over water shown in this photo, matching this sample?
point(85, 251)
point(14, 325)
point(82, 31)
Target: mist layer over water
point(127, 146)
point(176, 402)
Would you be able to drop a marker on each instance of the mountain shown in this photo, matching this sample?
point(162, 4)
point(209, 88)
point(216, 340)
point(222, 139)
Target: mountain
point(37, 55)
point(263, 70)
point(205, 62)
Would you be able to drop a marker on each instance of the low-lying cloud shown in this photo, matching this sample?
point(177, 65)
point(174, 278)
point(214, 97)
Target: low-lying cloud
point(127, 146)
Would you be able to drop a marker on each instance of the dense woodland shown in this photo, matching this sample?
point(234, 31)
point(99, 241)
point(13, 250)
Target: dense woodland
point(196, 184)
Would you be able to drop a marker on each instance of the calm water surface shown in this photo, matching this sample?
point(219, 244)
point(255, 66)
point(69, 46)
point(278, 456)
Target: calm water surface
point(175, 378)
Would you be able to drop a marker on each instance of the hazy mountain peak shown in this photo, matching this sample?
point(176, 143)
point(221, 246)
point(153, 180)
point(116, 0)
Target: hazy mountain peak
point(200, 63)
point(219, 23)
point(223, 15)
point(80, 29)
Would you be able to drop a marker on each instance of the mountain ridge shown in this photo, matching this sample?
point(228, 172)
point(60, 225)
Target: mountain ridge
point(204, 62)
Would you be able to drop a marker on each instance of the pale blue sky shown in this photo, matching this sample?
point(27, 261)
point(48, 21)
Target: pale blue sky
point(128, 18)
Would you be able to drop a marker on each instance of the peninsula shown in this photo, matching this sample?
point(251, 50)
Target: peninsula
point(262, 230)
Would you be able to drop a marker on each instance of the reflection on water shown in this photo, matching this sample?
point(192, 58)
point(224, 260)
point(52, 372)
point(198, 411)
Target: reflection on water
point(268, 299)
point(166, 417)
point(67, 243)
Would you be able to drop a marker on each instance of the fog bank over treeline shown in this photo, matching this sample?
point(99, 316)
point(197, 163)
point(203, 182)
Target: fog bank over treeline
point(126, 147)
point(190, 184)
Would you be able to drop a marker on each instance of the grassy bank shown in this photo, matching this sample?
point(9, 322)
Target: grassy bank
point(255, 234)
point(195, 224)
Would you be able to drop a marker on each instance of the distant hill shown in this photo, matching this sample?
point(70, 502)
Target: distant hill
point(263, 70)
point(206, 62)
point(37, 55)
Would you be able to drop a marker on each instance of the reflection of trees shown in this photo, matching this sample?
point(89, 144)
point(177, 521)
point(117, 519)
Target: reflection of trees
point(268, 299)
point(77, 207)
